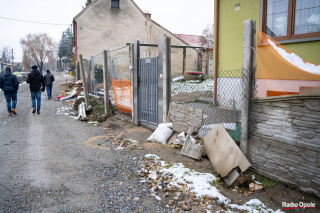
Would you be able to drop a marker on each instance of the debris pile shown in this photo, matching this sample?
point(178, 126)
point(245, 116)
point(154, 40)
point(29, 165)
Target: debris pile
point(177, 194)
point(74, 95)
point(182, 189)
point(184, 123)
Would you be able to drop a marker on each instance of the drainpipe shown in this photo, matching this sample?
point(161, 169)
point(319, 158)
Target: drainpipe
point(216, 27)
point(75, 30)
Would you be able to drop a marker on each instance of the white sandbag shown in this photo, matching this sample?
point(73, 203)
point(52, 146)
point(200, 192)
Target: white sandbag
point(162, 133)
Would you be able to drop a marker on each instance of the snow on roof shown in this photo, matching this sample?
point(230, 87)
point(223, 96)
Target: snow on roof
point(193, 40)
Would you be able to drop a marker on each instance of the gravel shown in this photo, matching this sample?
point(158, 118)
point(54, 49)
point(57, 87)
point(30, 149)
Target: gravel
point(47, 167)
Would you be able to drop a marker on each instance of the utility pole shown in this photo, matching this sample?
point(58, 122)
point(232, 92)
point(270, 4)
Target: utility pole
point(12, 58)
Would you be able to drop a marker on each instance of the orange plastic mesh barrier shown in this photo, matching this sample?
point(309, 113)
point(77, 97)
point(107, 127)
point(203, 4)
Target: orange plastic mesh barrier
point(122, 95)
point(274, 64)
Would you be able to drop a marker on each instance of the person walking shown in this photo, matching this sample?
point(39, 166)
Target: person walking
point(48, 80)
point(10, 85)
point(36, 81)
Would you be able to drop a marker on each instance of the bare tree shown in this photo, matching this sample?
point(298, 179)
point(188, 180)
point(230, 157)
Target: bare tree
point(39, 47)
point(6, 58)
point(208, 34)
point(26, 61)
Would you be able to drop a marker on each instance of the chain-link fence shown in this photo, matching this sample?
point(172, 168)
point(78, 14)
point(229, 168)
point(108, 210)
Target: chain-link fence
point(120, 75)
point(97, 73)
point(120, 68)
point(222, 106)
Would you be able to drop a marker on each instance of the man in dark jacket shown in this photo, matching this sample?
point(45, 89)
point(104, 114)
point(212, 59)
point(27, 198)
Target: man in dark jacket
point(48, 79)
point(10, 85)
point(35, 79)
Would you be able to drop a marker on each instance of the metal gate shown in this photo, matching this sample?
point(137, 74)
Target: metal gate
point(148, 90)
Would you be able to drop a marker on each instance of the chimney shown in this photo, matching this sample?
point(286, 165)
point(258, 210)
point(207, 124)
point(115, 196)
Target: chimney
point(148, 14)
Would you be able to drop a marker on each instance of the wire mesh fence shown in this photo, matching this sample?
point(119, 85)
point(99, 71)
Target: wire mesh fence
point(222, 106)
point(97, 73)
point(120, 75)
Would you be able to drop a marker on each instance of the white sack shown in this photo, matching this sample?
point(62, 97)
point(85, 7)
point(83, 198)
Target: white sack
point(162, 133)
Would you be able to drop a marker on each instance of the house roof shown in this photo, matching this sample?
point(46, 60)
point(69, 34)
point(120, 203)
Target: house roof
point(84, 9)
point(94, 1)
point(194, 40)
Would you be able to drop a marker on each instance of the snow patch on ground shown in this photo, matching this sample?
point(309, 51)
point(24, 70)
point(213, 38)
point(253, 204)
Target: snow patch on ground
point(63, 110)
point(66, 110)
point(202, 184)
point(189, 87)
point(199, 183)
point(254, 206)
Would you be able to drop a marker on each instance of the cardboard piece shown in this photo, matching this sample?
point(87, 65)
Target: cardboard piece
point(223, 152)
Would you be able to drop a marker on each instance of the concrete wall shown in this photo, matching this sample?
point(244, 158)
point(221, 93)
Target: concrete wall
point(101, 27)
point(285, 140)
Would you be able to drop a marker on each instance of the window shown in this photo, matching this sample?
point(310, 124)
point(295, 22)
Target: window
point(291, 19)
point(115, 3)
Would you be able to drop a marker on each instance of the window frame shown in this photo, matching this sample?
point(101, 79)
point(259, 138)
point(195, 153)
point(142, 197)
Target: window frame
point(290, 24)
point(118, 4)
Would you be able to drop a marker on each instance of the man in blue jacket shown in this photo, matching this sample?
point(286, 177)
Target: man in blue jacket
point(10, 85)
point(35, 79)
point(48, 79)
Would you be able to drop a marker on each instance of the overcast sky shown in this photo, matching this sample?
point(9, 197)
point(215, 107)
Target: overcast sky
point(178, 16)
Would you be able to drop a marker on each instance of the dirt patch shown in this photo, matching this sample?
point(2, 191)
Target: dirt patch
point(114, 127)
point(273, 194)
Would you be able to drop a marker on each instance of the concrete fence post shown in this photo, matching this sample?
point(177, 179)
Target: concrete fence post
point(88, 66)
point(136, 56)
point(84, 81)
point(132, 62)
point(93, 76)
point(77, 71)
point(247, 72)
point(164, 72)
point(105, 82)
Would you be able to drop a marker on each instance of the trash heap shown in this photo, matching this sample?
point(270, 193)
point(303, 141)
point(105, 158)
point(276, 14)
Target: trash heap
point(181, 189)
point(182, 127)
point(74, 96)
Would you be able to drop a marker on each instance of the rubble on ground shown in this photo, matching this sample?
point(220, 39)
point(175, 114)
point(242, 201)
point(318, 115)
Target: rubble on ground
point(175, 196)
point(73, 95)
point(181, 189)
point(184, 122)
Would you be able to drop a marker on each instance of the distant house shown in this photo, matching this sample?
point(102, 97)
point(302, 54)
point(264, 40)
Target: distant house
point(293, 24)
point(110, 24)
point(205, 55)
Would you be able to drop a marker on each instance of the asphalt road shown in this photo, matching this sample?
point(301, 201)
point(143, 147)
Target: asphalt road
point(46, 165)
